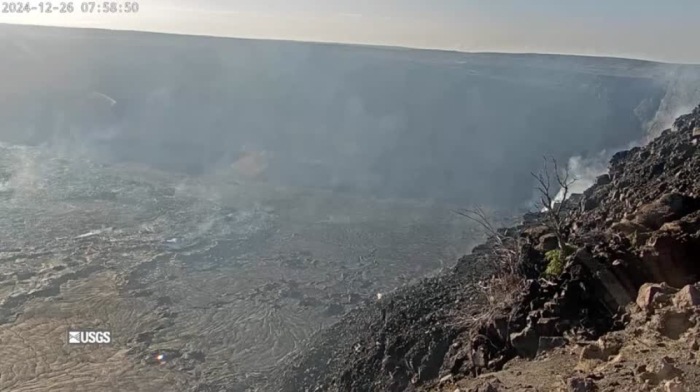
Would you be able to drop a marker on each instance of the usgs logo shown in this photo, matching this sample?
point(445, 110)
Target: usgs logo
point(89, 337)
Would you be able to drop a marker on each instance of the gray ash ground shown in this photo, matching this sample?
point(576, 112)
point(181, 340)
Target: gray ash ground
point(206, 284)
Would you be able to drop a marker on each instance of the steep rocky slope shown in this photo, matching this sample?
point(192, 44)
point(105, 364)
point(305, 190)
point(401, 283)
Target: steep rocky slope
point(657, 351)
point(640, 223)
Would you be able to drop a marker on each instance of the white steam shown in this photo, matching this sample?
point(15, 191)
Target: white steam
point(585, 170)
point(682, 95)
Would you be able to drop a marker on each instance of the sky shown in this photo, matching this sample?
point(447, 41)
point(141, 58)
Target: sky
point(646, 29)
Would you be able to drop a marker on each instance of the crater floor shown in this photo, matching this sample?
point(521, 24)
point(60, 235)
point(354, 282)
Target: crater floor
point(202, 282)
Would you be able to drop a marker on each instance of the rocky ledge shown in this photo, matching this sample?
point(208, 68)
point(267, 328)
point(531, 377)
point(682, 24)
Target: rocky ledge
point(632, 247)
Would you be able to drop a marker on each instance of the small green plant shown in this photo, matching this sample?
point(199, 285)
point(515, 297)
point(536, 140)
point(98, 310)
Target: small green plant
point(555, 261)
point(555, 264)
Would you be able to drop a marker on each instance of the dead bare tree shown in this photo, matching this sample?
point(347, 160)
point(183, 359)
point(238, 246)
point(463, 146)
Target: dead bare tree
point(552, 181)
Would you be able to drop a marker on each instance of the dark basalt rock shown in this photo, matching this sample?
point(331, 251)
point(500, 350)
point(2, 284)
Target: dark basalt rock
point(603, 180)
point(525, 342)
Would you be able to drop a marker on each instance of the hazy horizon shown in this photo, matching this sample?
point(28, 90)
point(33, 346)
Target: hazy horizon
point(360, 44)
point(645, 30)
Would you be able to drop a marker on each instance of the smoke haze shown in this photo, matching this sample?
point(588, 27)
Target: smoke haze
point(681, 96)
point(464, 128)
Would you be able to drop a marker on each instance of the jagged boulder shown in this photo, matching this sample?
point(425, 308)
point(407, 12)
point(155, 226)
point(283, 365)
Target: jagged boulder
point(628, 227)
point(666, 369)
point(525, 342)
point(669, 207)
point(673, 323)
point(674, 386)
point(547, 326)
point(652, 295)
point(603, 180)
point(579, 384)
point(688, 224)
point(488, 387)
point(688, 297)
point(548, 242)
point(547, 343)
point(602, 349)
point(613, 291)
point(668, 256)
point(537, 231)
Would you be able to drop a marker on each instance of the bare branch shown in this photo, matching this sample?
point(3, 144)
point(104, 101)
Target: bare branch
point(548, 198)
point(479, 216)
point(508, 279)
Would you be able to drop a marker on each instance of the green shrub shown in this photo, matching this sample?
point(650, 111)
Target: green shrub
point(555, 264)
point(555, 261)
